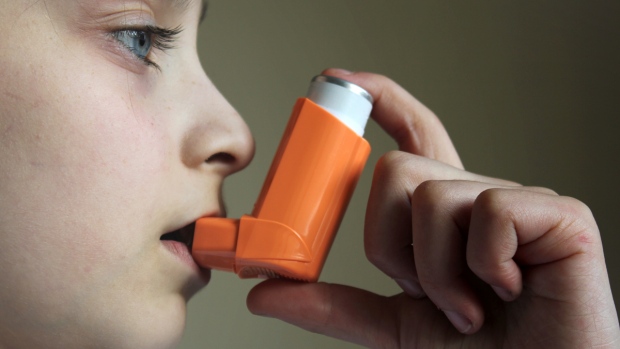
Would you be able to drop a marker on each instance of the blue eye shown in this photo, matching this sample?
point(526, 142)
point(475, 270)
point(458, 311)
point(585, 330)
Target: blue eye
point(137, 41)
point(140, 41)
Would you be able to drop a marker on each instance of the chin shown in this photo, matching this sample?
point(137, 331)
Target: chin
point(161, 326)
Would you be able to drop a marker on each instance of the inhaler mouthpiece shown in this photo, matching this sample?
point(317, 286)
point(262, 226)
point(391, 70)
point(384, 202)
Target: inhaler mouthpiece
point(346, 101)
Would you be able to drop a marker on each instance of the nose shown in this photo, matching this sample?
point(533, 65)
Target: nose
point(218, 138)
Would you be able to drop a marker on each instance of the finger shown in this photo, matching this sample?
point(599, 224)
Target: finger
point(387, 232)
point(512, 228)
point(338, 311)
point(440, 210)
point(440, 220)
point(415, 128)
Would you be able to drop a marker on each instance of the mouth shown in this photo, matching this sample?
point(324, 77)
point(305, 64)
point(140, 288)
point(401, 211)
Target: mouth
point(178, 244)
point(184, 235)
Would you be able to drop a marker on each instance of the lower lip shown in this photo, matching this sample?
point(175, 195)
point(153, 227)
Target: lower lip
point(181, 251)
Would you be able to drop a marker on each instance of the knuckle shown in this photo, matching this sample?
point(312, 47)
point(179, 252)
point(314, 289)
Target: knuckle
point(578, 209)
point(393, 171)
point(378, 259)
point(492, 203)
point(391, 164)
point(579, 223)
point(426, 196)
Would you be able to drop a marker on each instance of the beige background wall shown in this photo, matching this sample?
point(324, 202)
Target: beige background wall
point(528, 91)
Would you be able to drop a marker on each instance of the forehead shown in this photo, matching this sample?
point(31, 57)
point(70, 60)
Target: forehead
point(176, 5)
point(185, 5)
point(164, 9)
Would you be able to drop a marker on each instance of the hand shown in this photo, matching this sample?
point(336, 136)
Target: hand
point(483, 262)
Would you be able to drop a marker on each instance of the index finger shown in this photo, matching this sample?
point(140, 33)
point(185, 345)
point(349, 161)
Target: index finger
point(414, 127)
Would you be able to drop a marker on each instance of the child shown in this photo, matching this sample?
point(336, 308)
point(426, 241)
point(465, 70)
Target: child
point(113, 137)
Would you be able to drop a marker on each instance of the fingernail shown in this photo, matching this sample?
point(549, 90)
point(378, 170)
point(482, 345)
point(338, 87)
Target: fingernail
point(341, 71)
point(411, 287)
point(459, 321)
point(263, 315)
point(503, 293)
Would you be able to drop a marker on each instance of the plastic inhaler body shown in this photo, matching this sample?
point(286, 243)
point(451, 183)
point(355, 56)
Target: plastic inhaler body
point(305, 194)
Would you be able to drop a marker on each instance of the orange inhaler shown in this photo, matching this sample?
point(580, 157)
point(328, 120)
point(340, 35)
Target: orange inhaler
point(306, 192)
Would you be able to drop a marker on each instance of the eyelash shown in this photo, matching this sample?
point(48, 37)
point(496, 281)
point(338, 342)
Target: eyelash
point(162, 39)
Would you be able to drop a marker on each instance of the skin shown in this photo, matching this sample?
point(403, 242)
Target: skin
point(101, 154)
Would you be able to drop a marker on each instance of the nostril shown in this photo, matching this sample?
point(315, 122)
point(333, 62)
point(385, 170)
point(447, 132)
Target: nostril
point(223, 158)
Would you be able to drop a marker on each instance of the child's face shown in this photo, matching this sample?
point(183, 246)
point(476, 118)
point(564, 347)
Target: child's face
point(101, 154)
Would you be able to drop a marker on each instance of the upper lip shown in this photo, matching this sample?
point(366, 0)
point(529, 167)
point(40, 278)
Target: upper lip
point(185, 233)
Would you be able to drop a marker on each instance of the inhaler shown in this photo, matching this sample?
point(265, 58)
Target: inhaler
point(306, 192)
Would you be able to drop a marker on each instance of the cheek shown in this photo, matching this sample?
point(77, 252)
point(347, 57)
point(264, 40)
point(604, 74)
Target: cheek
point(82, 176)
point(88, 164)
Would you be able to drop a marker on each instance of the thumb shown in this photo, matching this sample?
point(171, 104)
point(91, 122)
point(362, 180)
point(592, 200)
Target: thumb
point(337, 311)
